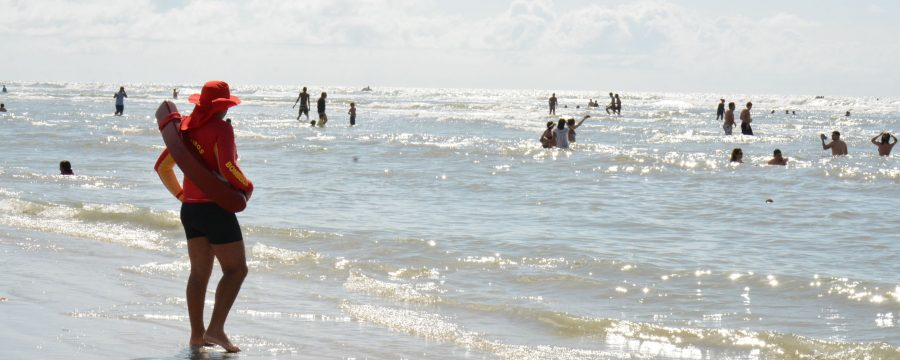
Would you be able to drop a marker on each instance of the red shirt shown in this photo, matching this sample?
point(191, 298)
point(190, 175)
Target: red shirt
point(215, 143)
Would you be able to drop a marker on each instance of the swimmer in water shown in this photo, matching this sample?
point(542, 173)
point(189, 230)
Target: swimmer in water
point(65, 168)
point(737, 156)
point(777, 159)
point(885, 146)
point(837, 146)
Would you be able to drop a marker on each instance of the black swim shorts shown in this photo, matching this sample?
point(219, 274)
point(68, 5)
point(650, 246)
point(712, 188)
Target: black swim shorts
point(211, 221)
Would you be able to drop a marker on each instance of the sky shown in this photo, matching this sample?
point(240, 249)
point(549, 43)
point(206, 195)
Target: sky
point(777, 47)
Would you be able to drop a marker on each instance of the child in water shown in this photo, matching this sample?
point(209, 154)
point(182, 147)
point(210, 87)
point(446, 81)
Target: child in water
point(352, 113)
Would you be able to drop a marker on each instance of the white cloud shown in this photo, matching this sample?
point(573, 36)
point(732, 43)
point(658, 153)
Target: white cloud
point(651, 41)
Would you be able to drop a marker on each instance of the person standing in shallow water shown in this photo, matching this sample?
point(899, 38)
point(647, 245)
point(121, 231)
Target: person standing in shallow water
point(572, 126)
point(720, 112)
point(303, 99)
point(320, 108)
point(612, 104)
point(120, 101)
point(212, 232)
point(175, 94)
point(552, 103)
point(746, 120)
point(547, 140)
point(729, 119)
point(561, 135)
point(618, 105)
point(885, 146)
point(352, 113)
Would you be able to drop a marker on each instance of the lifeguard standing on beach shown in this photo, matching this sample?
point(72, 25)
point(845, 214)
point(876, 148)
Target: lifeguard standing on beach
point(212, 232)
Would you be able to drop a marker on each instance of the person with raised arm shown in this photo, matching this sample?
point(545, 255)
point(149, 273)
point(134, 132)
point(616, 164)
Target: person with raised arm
point(885, 146)
point(572, 126)
point(837, 146)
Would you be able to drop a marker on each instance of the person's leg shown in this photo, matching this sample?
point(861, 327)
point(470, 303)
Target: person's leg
point(233, 261)
point(201, 256)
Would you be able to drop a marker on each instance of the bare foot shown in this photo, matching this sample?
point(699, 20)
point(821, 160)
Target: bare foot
point(201, 343)
point(222, 340)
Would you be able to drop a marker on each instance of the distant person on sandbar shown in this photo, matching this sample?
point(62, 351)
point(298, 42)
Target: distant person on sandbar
point(729, 119)
point(618, 105)
point(212, 232)
point(720, 112)
point(2, 107)
point(175, 94)
point(793, 112)
point(612, 104)
point(303, 99)
point(847, 114)
point(320, 108)
point(737, 156)
point(547, 140)
point(352, 113)
point(885, 146)
point(746, 120)
point(572, 126)
point(837, 146)
point(120, 101)
point(552, 103)
point(561, 135)
point(777, 159)
point(65, 168)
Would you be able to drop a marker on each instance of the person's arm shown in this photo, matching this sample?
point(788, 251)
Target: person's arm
point(226, 159)
point(165, 168)
point(582, 120)
point(876, 138)
point(895, 139)
point(295, 102)
point(125, 93)
point(824, 146)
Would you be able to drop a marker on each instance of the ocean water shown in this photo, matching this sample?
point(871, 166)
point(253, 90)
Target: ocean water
point(439, 228)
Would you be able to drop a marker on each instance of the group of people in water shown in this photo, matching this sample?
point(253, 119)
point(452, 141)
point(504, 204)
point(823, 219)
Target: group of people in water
point(303, 100)
point(614, 107)
point(728, 116)
point(838, 147)
point(558, 136)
